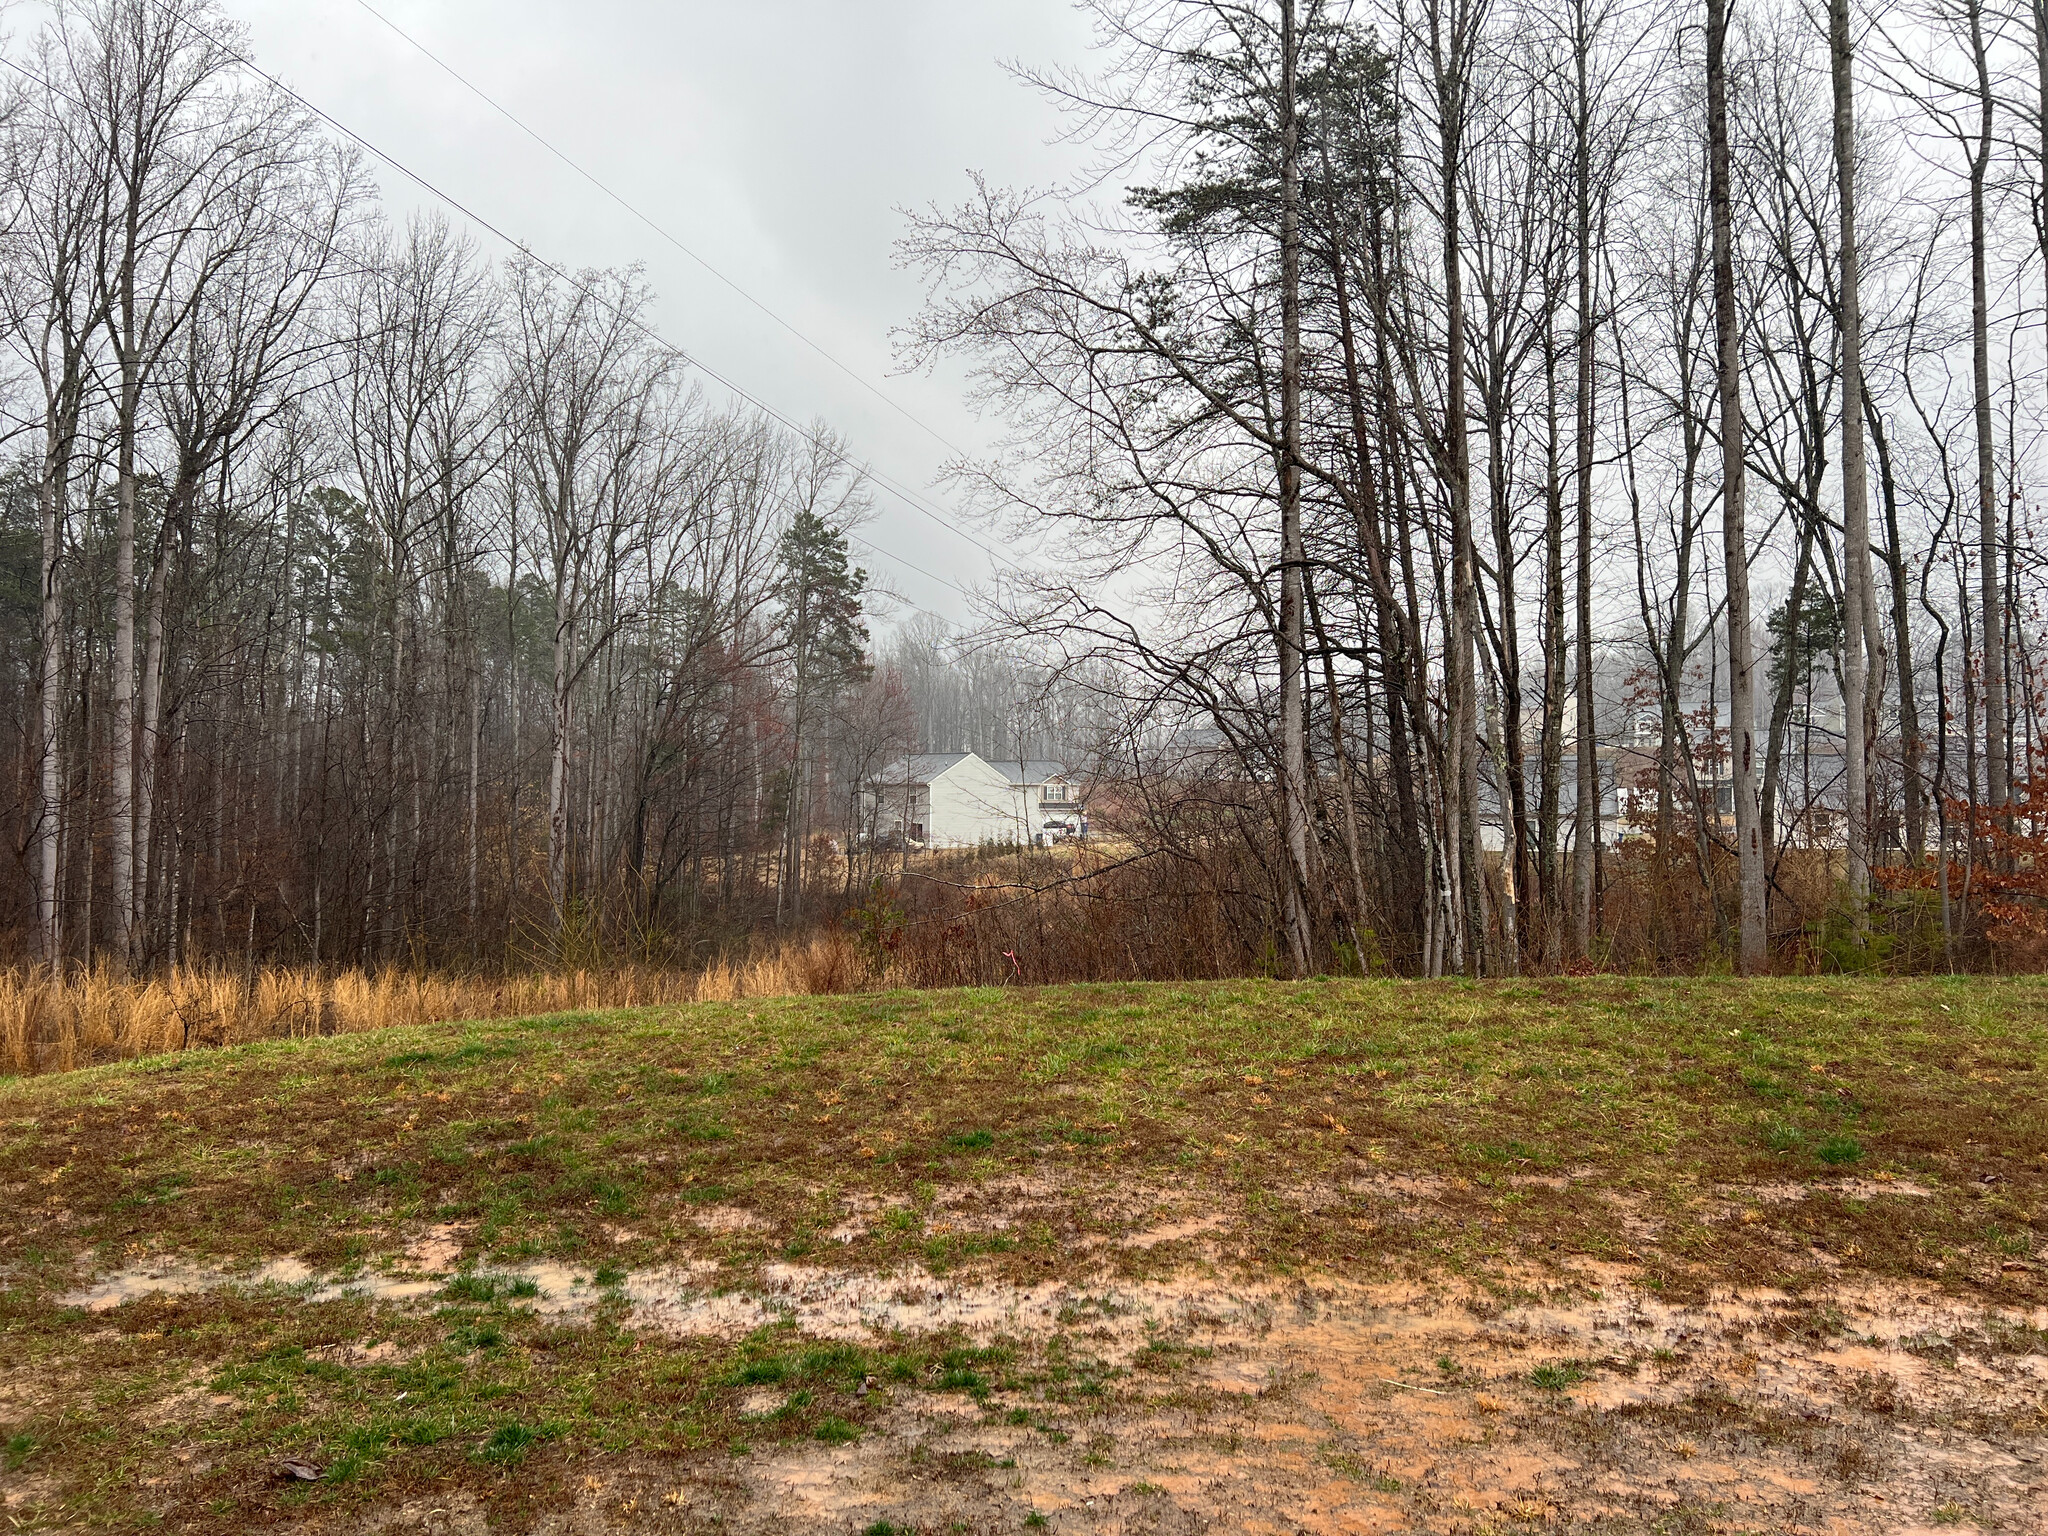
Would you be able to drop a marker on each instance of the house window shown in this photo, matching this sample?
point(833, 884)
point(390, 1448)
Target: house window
point(1056, 792)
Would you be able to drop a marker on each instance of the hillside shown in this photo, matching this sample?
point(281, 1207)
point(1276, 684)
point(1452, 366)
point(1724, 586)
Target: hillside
point(1317, 1255)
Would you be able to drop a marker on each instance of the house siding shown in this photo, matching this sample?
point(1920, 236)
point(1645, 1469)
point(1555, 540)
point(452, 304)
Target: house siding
point(962, 800)
point(971, 803)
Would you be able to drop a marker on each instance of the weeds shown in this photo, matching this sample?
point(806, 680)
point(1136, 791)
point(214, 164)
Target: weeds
point(1557, 1375)
point(1837, 1150)
point(510, 1441)
point(100, 1015)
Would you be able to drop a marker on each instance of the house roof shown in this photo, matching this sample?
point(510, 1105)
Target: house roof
point(923, 767)
point(920, 767)
point(1035, 770)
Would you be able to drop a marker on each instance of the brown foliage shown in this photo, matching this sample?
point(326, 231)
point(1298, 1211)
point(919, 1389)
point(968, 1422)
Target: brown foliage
point(2004, 882)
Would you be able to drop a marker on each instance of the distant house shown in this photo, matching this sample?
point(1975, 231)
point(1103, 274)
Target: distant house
point(961, 800)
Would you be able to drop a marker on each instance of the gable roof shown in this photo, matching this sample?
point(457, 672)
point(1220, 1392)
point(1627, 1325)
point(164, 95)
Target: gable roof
point(920, 767)
point(1035, 770)
point(923, 767)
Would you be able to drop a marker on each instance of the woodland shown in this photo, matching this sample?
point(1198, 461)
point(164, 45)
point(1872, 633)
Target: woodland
point(1490, 488)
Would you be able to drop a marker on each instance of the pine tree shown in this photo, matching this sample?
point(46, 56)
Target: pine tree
point(825, 642)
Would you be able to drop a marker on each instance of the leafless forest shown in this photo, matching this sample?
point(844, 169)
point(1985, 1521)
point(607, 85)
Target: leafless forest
point(1492, 488)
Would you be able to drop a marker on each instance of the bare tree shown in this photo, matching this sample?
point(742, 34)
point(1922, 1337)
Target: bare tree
point(582, 381)
point(57, 177)
point(1734, 537)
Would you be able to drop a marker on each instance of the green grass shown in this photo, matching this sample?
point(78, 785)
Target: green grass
point(1557, 1375)
point(554, 1127)
point(610, 1141)
point(554, 1134)
point(509, 1442)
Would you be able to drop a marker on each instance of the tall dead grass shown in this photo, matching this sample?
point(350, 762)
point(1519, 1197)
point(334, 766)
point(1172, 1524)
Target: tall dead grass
point(98, 1015)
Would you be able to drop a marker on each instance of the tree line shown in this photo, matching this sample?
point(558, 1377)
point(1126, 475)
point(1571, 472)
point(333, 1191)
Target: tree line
point(368, 601)
point(1565, 469)
point(1518, 487)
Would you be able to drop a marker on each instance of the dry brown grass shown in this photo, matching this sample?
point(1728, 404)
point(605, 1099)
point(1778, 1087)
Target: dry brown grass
point(100, 1015)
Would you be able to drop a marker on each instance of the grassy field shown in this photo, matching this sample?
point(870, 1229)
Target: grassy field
point(429, 1264)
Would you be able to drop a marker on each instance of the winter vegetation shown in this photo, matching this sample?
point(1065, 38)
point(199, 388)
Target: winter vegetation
point(1492, 489)
point(1514, 549)
point(1528, 411)
point(1613, 1254)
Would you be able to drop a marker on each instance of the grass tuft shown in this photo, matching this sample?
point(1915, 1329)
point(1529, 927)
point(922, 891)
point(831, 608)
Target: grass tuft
point(512, 1440)
point(1837, 1150)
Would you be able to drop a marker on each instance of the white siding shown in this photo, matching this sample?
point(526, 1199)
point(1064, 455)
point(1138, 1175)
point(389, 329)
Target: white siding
point(972, 803)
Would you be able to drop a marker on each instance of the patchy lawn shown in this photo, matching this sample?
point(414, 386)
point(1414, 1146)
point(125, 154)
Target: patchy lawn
point(1620, 1255)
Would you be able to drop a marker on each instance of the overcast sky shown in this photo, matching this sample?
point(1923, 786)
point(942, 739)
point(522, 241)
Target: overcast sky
point(775, 138)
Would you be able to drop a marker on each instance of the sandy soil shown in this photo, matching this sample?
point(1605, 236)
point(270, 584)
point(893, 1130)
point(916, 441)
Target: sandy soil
point(1317, 1406)
point(1570, 1399)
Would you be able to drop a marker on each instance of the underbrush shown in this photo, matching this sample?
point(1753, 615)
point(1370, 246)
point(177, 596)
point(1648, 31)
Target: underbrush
point(98, 1015)
point(973, 918)
point(1100, 912)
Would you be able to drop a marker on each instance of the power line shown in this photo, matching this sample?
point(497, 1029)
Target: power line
point(532, 133)
point(327, 242)
point(553, 268)
point(912, 498)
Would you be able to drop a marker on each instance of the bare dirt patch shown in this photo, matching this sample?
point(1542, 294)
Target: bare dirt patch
point(1574, 1398)
point(1326, 1406)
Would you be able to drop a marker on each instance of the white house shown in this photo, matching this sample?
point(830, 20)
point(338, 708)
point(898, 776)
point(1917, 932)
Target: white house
point(961, 800)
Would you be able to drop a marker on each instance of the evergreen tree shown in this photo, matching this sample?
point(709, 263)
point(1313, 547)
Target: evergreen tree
point(824, 641)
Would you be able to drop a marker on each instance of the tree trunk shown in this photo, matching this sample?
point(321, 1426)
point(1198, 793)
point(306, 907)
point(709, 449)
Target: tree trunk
point(121, 710)
point(1551, 746)
point(1586, 820)
point(1293, 553)
point(1997, 768)
point(1912, 749)
point(1734, 537)
point(59, 427)
point(558, 779)
point(1858, 594)
point(148, 744)
point(1461, 768)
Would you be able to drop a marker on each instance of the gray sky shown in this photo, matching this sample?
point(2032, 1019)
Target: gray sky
point(775, 138)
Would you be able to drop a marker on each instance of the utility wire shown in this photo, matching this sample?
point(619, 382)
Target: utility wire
point(332, 249)
point(912, 498)
point(532, 133)
point(566, 276)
